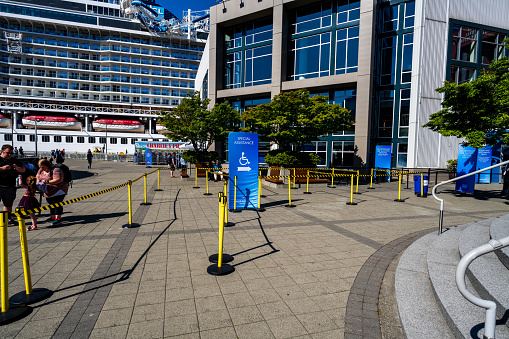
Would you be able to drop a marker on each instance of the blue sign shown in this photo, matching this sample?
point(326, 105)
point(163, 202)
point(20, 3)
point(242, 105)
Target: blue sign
point(467, 160)
point(243, 163)
point(483, 161)
point(148, 157)
point(383, 157)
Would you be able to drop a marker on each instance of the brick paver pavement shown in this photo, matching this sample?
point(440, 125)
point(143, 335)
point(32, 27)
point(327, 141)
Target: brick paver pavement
point(313, 271)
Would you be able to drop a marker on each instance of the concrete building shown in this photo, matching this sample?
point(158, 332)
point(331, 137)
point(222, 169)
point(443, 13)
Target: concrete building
point(381, 59)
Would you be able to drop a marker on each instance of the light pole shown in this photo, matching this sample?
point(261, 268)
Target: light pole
point(36, 121)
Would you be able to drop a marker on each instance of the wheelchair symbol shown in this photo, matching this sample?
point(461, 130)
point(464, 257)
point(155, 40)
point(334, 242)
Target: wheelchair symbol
point(243, 160)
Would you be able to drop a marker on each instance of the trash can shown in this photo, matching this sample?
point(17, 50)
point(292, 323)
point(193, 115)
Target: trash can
point(417, 184)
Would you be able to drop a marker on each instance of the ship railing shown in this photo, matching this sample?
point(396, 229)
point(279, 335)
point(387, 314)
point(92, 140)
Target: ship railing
point(57, 107)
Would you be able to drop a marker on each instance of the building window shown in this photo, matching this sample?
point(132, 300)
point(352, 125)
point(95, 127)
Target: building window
point(69, 139)
point(388, 60)
point(460, 75)
point(464, 43)
point(45, 138)
point(258, 66)
point(343, 153)
point(402, 154)
point(348, 10)
point(20, 137)
point(406, 64)
point(347, 50)
point(310, 56)
point(389, 20)
point(347, 99)
point(409, 14)
point(249, 45)
point(385, 114)
point(91, 140)
point(492, 46)
point(57, 138)
point(81, 140)
point(404, 113)
point(319, 148)
point(312, 17)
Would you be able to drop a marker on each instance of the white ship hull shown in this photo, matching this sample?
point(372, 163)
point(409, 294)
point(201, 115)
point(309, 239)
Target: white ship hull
point(98, 127)
point(57, 125)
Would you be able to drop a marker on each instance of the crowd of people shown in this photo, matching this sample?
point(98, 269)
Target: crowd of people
point(52, 181)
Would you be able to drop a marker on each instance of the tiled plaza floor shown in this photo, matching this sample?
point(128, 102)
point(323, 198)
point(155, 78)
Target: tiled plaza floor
point(313, 271)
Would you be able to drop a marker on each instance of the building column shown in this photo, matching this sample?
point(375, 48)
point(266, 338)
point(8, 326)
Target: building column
point(364, 114)
point(278, 48)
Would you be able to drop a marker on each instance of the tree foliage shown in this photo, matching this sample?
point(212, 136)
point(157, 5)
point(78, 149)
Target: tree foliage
point(477, 110)
point(193, 122)
point(296, 118)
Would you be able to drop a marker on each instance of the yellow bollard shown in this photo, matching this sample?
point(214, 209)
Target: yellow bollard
point(145, 187)
point(219, 268)
point(158, 188)
point(225, 191)
point(332, 180)
point(24, 254)
point(422, 184)
point(351, 192)
point(357, 186)
point(371, 181)
point(307, 184)
point(129, 195)
point(4, 266)
point(207, 181)
point(294, 178)
point(289, 194)
point(399, 191)
point(196, 177)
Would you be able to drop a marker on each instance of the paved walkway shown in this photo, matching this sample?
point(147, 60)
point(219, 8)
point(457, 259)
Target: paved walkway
point(313, 271)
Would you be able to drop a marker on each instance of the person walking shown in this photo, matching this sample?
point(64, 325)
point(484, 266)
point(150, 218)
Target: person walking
point(89, 158)
point(172, 164)
point(21, 152)
point(29, 201)
point(218, 171)
point(9, 169)
point(56, 188)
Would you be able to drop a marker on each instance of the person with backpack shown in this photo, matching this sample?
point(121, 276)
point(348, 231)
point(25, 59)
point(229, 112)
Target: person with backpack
point(90, 156)
point(56, 187)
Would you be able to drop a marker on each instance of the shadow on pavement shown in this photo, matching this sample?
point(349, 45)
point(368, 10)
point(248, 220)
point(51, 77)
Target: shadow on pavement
point(89, 218)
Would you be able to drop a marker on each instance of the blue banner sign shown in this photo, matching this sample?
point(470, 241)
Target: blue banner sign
point(483, 161)
point(148, 157)
point(383, 157)
point(467, 160)
point(243, 163)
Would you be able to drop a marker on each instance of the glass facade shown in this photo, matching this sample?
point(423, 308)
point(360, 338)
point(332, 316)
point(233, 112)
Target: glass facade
point(394, 57)
point(324, 39)
point(248, 54)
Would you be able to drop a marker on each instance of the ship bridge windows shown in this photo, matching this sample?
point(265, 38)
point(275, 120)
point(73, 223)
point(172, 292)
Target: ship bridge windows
point(45, 138)
point(20, 137)
point(57, 138)
point(136, 100)
point(91, 140)
point(102, 140)
point(145, 100)
point(69, 139)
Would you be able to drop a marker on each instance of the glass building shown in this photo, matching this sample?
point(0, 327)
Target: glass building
point(380, 59)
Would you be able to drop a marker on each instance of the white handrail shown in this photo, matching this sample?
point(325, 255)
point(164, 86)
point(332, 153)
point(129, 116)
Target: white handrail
point(441, 217)
point(490, 306)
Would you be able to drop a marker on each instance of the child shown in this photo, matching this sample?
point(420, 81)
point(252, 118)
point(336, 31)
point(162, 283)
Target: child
point(29, 201)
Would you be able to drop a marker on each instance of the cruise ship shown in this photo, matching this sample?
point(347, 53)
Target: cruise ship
point(79, 74)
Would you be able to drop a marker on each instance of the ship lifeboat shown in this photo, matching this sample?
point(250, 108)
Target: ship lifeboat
point(125, 126)
point(161, 129)
point(4, 121)
point(49, 122)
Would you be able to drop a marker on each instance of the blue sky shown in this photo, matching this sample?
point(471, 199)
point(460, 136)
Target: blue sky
point(177, 7)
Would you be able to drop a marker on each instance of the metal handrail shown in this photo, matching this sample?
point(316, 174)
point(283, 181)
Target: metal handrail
point(441, 217)
point(490, 306)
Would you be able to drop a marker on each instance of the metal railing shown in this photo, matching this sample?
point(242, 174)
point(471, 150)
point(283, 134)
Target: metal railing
point(490, 306)
point(441, 217)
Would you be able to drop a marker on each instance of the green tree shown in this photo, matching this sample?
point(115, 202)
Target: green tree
point(192, 121)
point(296, 118)
point(477, 110)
